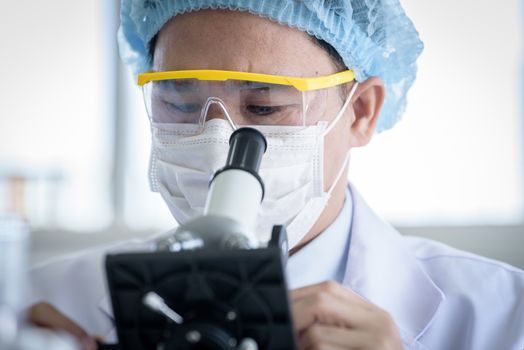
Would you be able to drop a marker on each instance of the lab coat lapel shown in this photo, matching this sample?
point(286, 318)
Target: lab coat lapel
point(382, 269)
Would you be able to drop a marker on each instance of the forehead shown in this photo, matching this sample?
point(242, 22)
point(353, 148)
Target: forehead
point(233, 40)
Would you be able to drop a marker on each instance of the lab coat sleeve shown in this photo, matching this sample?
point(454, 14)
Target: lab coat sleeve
point(74, 285)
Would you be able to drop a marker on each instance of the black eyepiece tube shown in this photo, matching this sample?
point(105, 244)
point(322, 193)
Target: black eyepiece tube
point(246, 148)
point(236, 190)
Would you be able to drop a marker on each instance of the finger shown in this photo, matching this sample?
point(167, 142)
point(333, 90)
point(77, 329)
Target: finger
point(326, 337)
point(99, 338)
point(331, 287)
point(88, 343)
point(327, 309)
point(323, 347)
point(47, 316)
point(306, 291)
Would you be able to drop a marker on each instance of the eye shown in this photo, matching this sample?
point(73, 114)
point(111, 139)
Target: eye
point(262, 110)
point(183, 107)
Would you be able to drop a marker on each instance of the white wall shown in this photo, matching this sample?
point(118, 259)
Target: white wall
point(51, 116)
point(456, 158)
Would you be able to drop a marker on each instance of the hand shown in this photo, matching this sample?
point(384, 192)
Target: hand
point(329, 316)
point(47, 316)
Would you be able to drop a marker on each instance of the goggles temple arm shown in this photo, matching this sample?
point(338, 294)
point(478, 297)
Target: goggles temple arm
point(343, 108)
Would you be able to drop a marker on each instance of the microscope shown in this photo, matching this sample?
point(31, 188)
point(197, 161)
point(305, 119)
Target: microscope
point(209, 284)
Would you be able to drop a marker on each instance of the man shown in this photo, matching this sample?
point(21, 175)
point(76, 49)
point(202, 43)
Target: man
point(318, 78)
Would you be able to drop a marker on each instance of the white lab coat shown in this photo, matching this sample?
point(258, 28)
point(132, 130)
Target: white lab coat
point(439, 297)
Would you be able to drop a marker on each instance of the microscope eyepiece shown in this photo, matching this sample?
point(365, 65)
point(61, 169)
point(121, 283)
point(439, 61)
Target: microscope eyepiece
point(246, 148)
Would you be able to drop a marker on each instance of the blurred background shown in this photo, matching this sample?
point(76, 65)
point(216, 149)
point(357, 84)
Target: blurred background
point(74, 136)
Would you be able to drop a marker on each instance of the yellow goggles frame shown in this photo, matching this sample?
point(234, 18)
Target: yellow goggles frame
point(301, 84)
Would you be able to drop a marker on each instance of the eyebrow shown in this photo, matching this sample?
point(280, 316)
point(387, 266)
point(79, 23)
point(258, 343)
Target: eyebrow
point(191, 85)
point(182, 85)
point(253, 85)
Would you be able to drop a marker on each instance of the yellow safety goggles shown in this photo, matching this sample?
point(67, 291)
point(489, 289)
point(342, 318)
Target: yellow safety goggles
point(250, 98)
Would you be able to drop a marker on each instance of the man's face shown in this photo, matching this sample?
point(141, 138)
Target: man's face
point(239, 41)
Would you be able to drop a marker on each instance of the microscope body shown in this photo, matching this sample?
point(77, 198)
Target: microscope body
point(210, 284)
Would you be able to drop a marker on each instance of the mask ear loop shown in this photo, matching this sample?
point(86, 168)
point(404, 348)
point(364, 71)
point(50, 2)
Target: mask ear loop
point(342, 109)
point(328, 129)
point(339, 175)
point(215, 100)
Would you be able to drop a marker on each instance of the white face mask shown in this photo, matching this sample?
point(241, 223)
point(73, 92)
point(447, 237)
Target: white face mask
point(184, 158)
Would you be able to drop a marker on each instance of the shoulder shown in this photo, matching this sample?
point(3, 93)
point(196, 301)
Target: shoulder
point(77, 275)
point(454, 270)
point(435, 255)
point(483, 297)
point(76, 284)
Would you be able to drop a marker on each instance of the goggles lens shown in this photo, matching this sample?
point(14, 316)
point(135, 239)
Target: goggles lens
point(184, 101)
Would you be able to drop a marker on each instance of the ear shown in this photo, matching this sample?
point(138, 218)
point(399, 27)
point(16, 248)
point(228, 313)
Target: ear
point(367, 102)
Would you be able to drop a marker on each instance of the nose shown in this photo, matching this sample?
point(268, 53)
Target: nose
point(214, 112)
point(215, 108)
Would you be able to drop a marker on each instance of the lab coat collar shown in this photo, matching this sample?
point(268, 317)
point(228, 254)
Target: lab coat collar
point(383, 270)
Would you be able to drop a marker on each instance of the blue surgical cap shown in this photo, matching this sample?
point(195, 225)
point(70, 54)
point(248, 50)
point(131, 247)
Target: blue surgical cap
point(373, 37)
